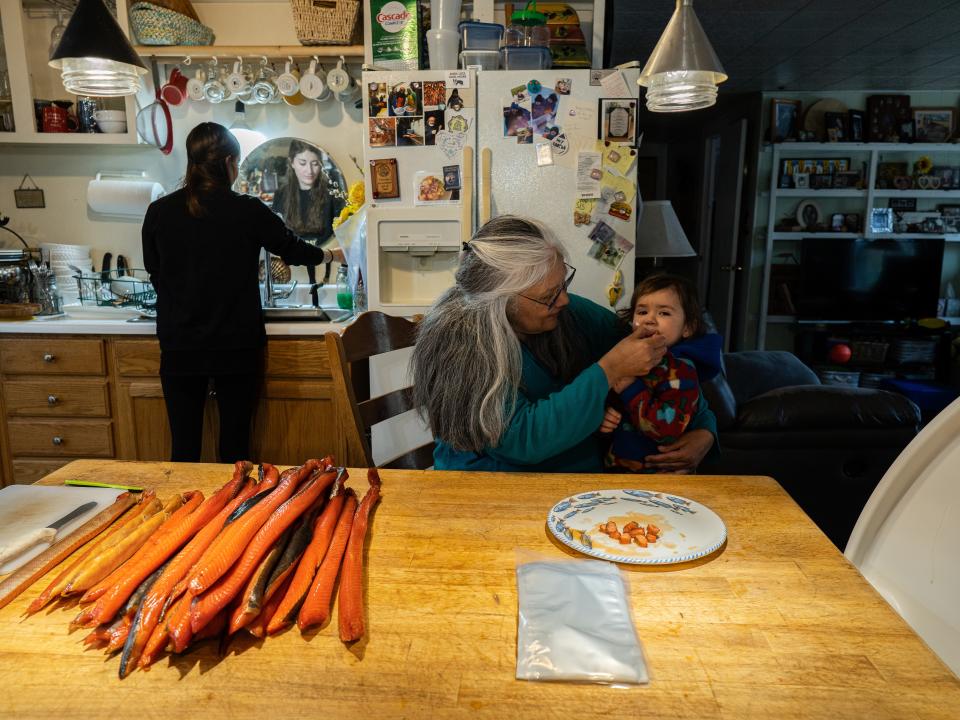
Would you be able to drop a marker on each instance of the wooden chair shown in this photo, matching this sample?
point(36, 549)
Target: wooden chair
point(372, 333)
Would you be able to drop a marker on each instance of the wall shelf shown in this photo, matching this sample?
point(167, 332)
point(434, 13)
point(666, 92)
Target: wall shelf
point(178, 52)
point(861, 201)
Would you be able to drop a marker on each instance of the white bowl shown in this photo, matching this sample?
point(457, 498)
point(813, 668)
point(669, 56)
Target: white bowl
point(100, 115)
point(112, 126)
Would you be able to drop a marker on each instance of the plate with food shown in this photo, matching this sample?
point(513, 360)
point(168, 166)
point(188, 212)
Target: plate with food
point(640, 527)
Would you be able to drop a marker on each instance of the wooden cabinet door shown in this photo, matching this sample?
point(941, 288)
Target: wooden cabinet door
point(142, 427)
point(295, 421)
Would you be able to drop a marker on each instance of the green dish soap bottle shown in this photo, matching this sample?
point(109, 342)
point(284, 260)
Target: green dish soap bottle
point(344, 295)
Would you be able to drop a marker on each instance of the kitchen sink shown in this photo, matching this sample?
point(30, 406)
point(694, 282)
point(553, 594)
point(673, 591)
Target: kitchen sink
point(286, 313)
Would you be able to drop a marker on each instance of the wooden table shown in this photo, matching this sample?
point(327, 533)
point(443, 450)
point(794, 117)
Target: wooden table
point(776, 624)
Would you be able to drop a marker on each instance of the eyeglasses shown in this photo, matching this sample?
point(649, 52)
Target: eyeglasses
point(561, 289)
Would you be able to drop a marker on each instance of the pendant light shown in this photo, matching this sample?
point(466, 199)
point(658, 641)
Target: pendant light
point(94, 56)
point(683, 70)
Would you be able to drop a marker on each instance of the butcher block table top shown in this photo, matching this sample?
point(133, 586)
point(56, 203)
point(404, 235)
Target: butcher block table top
point(776, 624)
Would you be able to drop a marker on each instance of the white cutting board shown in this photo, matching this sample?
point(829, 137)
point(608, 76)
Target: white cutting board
point(28, 507)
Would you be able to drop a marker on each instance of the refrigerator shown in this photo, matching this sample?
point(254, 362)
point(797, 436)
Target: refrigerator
point(447, 150)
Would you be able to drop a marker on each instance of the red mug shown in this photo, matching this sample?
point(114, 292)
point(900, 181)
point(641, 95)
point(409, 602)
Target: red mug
point(54, 119)
point(175, 89)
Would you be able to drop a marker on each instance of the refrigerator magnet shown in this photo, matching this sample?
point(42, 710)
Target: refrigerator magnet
point(563, 86)
point(534, 86)
point(383, 178)
point(451, 177)
point(519, 94)
point(618, 120)
point(382, 132)
point(560, 144)
point(544, 154)
point(583, 212)
point(434, 95)
point(429, 189)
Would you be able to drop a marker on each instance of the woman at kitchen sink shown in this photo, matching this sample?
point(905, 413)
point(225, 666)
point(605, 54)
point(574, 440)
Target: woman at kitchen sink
point(513, 372)
point(201, 246)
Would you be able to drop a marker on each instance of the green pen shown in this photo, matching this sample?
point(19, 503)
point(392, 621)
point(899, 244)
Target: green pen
point(90, 483)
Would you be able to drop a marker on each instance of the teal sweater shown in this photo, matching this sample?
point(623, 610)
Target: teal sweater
point(553, 428)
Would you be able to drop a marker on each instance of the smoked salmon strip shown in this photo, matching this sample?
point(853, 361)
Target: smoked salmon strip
point(316, 606)
point(350, 599)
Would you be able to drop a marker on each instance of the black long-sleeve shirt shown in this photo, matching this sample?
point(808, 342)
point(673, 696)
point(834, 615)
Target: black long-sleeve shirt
point(205, 272)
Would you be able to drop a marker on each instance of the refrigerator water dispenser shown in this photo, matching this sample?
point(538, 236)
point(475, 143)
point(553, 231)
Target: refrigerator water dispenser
point(416, 257)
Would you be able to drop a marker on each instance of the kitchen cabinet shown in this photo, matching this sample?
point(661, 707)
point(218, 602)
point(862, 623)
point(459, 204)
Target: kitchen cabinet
point(68, 397)
point(142, 427)
point(26, 27)
point(55, 404)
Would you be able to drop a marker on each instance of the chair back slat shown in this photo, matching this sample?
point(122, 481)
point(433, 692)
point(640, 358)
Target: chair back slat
point(419, 459)
point(372, 333)
point(384, 407)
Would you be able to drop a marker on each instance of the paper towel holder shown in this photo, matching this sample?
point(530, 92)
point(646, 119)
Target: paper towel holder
point(122, 175)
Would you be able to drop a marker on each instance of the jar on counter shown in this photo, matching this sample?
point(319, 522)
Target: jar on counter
point(344, 294)
point(360, 295)
point(528, 28)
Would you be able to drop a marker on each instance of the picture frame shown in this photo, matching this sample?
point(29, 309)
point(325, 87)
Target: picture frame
point(902, 205)
point(851, 222)
point(784, 119)
point(836, 126)
point(888, 172)
point(947, 174)
point(618, 120)
point(908, 131)
point(881, 220)
point(934, 124)
point(809, 215)
point(845, 180)
point(837, 222)
point(801, 181)
point(855, 125)
point(821, 181)
point(790, 167)
point(885, 114)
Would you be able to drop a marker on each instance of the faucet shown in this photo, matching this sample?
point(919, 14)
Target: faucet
point(268, 296)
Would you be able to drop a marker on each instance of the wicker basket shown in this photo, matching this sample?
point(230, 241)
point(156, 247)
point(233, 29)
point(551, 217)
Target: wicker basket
point(326, 22)
point(155, 25)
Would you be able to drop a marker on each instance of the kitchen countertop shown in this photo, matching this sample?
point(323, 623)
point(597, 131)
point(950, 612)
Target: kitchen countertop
point(775, 624)
point(114, 322)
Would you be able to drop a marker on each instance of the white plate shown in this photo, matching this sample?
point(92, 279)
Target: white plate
point(688, 530)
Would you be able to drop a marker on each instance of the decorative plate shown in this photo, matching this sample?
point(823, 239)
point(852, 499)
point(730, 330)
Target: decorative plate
point(641, 527)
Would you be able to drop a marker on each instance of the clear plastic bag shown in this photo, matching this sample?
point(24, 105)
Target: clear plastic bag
point(575, 624)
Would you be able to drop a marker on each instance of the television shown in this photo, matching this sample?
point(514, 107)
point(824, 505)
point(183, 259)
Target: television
point(877, 280)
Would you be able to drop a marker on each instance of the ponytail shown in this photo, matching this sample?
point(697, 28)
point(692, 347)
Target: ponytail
point(208, 147)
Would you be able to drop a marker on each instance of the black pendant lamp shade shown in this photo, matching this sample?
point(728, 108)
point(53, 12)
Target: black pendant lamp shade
point(94, 55)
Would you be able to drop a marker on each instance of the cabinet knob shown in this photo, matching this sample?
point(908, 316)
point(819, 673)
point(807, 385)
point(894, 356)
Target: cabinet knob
point(731, 268)
point(47, 357)
point(51, 399)
point(212, 393)
point(57, 440)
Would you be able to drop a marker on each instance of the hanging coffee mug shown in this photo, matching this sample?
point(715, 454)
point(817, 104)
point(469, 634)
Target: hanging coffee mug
point(174, 91)
point(238, 82)
point(312, 85)
point(342, 85)
point(264, 89)
point(215, 89)
point(289, 84)
point(195, 85)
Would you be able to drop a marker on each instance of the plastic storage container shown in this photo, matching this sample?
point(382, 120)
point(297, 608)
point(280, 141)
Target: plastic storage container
point(525, 58)
point(480, 35)
point(528, 28)
point(486, 59)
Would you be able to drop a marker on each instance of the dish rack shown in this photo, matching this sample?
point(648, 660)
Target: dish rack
point(118, 288)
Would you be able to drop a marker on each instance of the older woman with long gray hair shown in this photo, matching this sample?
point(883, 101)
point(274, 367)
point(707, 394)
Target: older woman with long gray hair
point(513, 373)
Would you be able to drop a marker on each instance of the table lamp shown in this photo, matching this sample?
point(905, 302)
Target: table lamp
point(660, 234)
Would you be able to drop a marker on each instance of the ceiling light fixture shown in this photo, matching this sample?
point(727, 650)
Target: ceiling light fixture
point(683, 70)
point(94, 56)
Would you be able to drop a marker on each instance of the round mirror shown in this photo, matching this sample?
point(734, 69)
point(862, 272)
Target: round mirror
point(300, 182)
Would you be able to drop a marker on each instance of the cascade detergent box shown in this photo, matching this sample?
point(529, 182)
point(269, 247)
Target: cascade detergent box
point(396, 33)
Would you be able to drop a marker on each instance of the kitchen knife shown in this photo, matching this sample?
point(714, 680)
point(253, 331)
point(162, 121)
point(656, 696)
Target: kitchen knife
point(46, 534)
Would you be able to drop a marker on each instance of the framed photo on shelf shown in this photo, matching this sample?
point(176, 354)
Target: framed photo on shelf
point(908, 131)
point(836, 126)
point(949, 176)
point(888, 172)
point(784, 119)
point(855, 126)
point(881, 220)
point(902, 205)
point(885, 116)
point(844, 180)
point(934, 124)
point(790, 167)
point(851, 222)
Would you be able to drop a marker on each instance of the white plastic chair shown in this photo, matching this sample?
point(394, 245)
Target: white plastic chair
point(906, 542)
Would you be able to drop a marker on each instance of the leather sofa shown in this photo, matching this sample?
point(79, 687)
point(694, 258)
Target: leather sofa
point(827, 445)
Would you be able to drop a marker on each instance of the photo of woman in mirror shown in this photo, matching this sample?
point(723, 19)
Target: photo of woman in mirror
point(306, 201)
